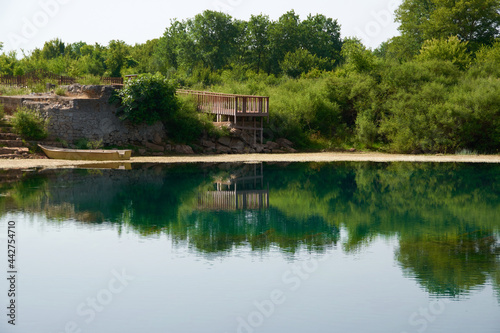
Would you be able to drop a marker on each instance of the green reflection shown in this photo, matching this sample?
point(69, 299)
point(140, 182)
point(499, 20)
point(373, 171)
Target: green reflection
point(445, 216)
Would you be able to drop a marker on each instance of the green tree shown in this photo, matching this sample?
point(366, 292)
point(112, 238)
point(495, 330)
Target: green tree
point(284, 37)
point(257, 41)
point(321, 37)
point(302, 62)
point(215, 35)
point(143, 54)
point(53, 49)
point(474, 21)
point(92, 60)
point(175, 48)
point(451, 49)
point(117, 58)
point(357, 57)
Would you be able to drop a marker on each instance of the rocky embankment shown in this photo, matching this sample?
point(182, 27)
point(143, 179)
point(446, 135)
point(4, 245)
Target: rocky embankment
point(238, 142)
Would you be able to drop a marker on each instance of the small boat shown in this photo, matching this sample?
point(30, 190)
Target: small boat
point(86, 154)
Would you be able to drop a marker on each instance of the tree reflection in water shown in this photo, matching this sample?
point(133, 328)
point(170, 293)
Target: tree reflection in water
point(445, 216)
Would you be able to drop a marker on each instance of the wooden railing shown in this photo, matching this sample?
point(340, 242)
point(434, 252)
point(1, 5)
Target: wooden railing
point(229, 104)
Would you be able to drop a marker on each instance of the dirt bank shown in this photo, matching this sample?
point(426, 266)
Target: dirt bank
point(300, 157)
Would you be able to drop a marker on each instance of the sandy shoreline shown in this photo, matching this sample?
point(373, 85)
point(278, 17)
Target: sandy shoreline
point(300, 157)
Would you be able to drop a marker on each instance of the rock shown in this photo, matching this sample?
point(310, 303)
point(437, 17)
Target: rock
point(352, 150)
point(184, 149)
point(248, 138)
point(196, 148)
point(157, 139)
point(284, 143)
point(142, 151)
point(208, 144)
point(278, 151)
point(223, 149)
point(153, 146)
point(266, 151)
point(236, 144)
point(258, 147)
point(272, 145)
point(225, 141)
point(290, 150)
point(236, 132)
point(168, 147)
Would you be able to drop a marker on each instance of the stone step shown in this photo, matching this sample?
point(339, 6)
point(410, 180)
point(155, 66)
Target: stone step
point(13, 150)
point(8, 156)
point(6, 129)
point(8, 136)
point(12, 143)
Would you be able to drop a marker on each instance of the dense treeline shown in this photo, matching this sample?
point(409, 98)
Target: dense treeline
point(434, 88)
point(197, 47)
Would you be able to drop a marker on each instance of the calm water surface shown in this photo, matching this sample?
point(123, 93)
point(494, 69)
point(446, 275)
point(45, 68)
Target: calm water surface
point(343, 247)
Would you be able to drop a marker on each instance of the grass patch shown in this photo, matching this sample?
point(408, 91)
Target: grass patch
point(13, 91)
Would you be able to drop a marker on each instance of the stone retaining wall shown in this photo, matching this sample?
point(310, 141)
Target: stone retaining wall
point(73, 118)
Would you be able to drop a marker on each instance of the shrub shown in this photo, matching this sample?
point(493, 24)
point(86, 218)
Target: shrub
point(147, 99)
point(30, 125)
point(187, 124)
point(82, 143)
point(94, 144)
point(60, 91)
point(2, 111)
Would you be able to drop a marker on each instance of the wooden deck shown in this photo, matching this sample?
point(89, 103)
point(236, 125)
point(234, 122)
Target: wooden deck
point(246, 192)
point(245, 112)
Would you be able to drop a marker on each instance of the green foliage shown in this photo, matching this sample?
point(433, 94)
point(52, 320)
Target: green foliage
point(147, 99)
point(94, 144)
point(2, 111)
point(451, 49)
point(187, 124)
point(60, 91)
point(90, 80)
point(13, 90)
point(474, 21)
point(118, 57)
point(357, 57)
point(29, 124)
point(302, 62)
point(82, 143)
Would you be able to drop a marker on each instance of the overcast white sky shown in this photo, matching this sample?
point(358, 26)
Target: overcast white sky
point(26, 24)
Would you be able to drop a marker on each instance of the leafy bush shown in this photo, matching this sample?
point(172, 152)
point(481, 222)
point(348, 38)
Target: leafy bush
point(302, 62)
point(147, 99)
point(29, 124)
point(2, 111)
point(60, 91)
point(187, 124)
point(94, 144)
point(451, 49)
point(82, 143)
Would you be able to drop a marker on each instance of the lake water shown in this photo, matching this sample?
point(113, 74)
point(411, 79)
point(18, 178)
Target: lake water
point(340, 247)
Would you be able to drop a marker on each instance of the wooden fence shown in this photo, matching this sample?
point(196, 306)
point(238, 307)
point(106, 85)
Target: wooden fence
point(42, 76)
